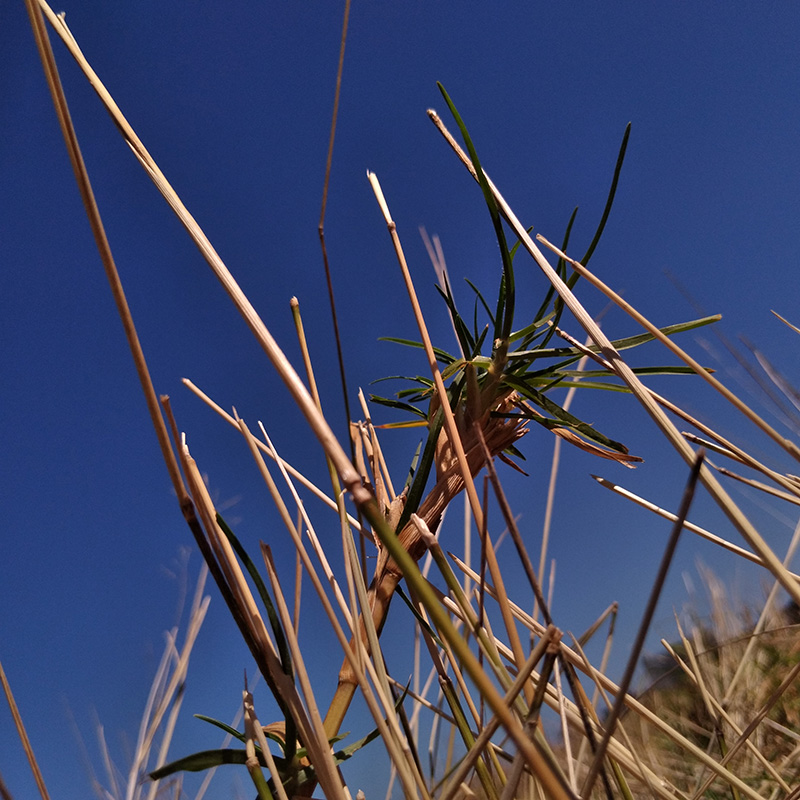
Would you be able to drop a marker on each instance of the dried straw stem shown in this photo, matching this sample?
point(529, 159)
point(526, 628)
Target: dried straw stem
point(453, 436)
point(500, 434)
point(620, 367)
point(291, 379)
point(616, 749)
point(23, 736)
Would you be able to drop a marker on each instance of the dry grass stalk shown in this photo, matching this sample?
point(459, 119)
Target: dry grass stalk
point(293, 382)
point(452, 447)
point(255, 631)
point(23, 736)
point(264, 448)
point(166, 693)
point(594, 674)
point(450, 482)
point(359, 665)
point(621, 369)
point(618, 751)
point(255, 733)
point(690, 526)
point(491, 726)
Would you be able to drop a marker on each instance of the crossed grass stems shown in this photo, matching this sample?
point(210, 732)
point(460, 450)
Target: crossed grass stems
point(494, 688)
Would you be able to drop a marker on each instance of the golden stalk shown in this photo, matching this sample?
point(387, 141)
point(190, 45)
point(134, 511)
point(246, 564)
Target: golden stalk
point(453, 437)
point(310, 485)
point(690, 526)
point(361, 667)
point(621, 368)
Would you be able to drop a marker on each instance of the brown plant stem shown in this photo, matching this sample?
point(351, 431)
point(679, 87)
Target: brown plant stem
point(23, 736)
point(451, 428)
point(638, 644)
point(499, 434)
point(321, 226)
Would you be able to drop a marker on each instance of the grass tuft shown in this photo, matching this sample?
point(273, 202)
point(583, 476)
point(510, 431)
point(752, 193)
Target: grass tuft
point(511, 708)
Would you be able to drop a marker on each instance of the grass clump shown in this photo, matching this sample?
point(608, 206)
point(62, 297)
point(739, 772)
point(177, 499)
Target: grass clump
point(494, 669)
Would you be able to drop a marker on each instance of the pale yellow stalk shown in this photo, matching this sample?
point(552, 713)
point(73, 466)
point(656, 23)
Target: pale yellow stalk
point(620, 729)
point(729, 508)
point(318, 747)
point(357, 664)
point(449, 420)
point(291, 379)
point(690, 526)
point(491, 726)
point(310, 485)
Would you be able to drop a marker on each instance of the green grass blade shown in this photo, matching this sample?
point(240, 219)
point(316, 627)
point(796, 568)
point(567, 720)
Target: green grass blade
point(505, 316)
point(619, 344)
point(423, 623)
point(421, 475)
point(479, 342)
point(205, 759)
point(531, 331)
point(413, 466)
point(465, 339)
point(277, 630)
point(667, 330)
point(561, 269)
point(227, 728)
point(279, 740)
point(610, 201)
point(481, 298)
point(389, 403)
point(600, 373)
point(272, 614)
point(441, 355)
point(561, 417)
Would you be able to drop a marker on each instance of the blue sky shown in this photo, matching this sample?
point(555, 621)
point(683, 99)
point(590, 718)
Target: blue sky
point(234, 101)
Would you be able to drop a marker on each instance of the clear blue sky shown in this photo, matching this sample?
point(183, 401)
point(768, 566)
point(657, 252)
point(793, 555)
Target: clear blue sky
point(234, 102)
